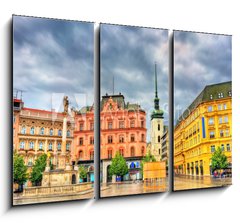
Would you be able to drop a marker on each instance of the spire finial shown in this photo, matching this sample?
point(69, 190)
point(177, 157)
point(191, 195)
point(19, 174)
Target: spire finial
point(113, 84)
point(156, 93)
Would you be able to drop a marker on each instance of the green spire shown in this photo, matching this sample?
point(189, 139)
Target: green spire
point(157, 113)
point(156, 99)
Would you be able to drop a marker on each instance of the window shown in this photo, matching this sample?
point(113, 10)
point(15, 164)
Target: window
point(40, 146)
point(221, 133)
point(220, 120)
point(132, 138)
point(224, 106)
point(81, 141)
point(211, 97)
point(143, 151)
point(109, 125)
point(80, 154)
point(227, 132)
point(68, 133)
point(23, 130)
point(222, 147)
point(91, 140)
point(210, 108)
point(159, 139)
point(51, 132)
point(31, 145)
point(121, 124)
point(219, 107)
point(212, 134)
point(30, 161)
point(121, 151)
point(220, 95)
point(50, 146)
point(142, 124)
point(91, 126)
point(132, 151)
point(230, 93)
point(226, 119)
point(158, 127)
point(91, 155)
point(22, 145)
point(42, 131)
point(59, 132)
point(81, 127)
point(59, 145)
point(110, 154)
point(110, 139)
point(121, 138)
point(142, 138)
point(32, 131)
point(212, 148)
point(228, 147)
point(132, 124)
point(68, 146)
point(211, 121)
point(159, 151)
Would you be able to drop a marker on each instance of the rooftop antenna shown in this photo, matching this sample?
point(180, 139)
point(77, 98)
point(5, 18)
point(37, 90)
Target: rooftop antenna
point(18, 91)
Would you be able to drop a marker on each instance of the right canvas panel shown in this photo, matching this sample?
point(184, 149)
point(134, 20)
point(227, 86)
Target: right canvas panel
point(202, 156)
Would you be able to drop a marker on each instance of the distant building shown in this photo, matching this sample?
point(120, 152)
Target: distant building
point(157, 125)
point(204, 126)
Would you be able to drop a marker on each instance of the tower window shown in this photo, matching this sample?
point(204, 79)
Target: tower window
point(159, 139)
point(158, 127)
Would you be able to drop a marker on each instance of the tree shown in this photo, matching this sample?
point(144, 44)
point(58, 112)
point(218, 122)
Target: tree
point(148, 158)
point(219, 160)
point(20, 175)
point(119, 166)
point(37, 170)
point(82, 172)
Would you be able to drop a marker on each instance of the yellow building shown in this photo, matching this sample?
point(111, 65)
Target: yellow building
point(203, 127)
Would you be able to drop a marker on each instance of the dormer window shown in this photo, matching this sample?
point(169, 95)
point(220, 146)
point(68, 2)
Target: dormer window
point(230, 93)
point(220, 95)
point(211, 97)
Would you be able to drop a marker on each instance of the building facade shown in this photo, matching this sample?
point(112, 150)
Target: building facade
point(36, 132)
point(204, 126)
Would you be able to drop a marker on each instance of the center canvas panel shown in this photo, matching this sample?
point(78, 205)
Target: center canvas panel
point(52, 110)
point(133, 110)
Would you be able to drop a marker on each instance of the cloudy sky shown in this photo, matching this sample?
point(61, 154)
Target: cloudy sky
point(129, 53)
point(199, 60)
point(52, 58)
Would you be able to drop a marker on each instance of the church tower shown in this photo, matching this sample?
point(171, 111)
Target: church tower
point(157, 125)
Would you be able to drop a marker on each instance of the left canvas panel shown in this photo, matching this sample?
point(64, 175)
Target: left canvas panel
point(53, 147)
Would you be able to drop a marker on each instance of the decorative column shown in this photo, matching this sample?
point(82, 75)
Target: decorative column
point(62, 156)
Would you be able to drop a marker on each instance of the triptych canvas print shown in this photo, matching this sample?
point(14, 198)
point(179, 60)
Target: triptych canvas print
point(53, 111)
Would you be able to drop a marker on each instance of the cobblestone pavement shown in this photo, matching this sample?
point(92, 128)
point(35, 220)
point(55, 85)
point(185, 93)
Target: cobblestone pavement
point(130, 188)
point(185, 182)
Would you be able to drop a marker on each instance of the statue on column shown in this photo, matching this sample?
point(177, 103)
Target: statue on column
point(65, 104)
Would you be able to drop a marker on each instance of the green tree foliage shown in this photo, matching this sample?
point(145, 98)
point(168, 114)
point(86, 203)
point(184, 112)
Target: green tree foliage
point(219, 160)
point(20, 175)
point(119, 166)
point(38, 168)
point(82, 172)
point(148, 158)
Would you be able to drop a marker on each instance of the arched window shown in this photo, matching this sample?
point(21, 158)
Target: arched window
point(22, 145)
point(41, 145)
point(51, 132)
point(68, 133)
point(159, 138)
point(32, 131)
point(59, 132)
point(91, 155)
point(121, 151)
point(109, 154)
point(31, 145)
point(142, 137)
point(110, 139)
point(80, 155)
point(68, 146)
point(23, 130)
point(42, 131)
point(132, 151)
point(132, 138)
point(50, 146)
point(59, 146)
point(121, 138)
